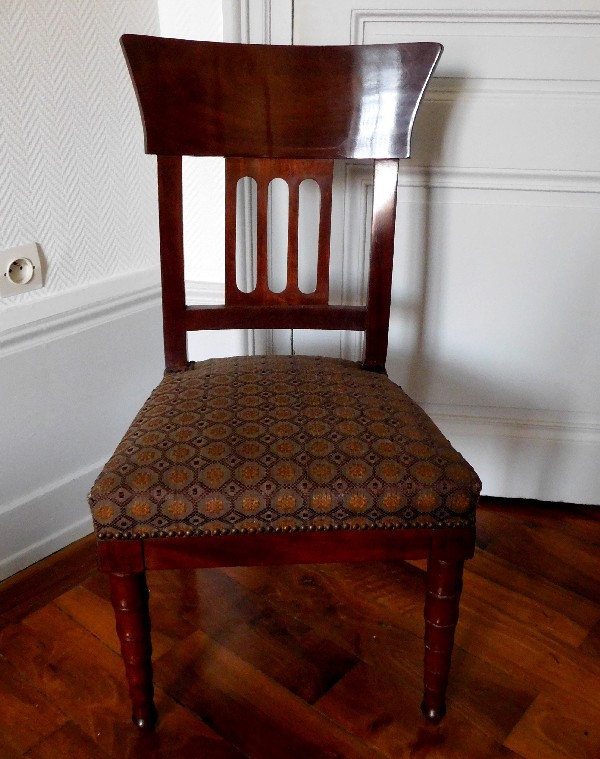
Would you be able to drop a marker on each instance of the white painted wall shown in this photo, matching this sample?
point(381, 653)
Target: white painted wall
point(495, 307)
point(70, 381)
point(78, 357)
point(73, 177)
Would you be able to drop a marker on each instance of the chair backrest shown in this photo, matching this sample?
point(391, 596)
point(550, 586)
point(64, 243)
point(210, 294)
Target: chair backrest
point(278, 112)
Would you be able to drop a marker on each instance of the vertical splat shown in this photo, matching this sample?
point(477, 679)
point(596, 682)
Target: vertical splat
point(263, 171)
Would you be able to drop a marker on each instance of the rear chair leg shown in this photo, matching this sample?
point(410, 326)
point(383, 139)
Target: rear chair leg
point(444, 584)
point(129, 597)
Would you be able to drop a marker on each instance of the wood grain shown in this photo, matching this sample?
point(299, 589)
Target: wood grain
point(558, 724)
point(69, 740)
point(38, 584)
point(318, 661)
point(129, 597)
point(263, 172)
point(83, 678)
point(389, 722)
point(26, 717)
point(252, 711)
point(274, 101)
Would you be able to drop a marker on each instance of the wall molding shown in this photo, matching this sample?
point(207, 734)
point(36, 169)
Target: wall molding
point(236, 20)
point(493, 179)
point(521, 453)
point(360, 18)
point(443, 88)
point(87, 473)
point(258, 21)
point(75, 178)
point(45, 547)
point(213, 294)
point(207, 293)
point(518, 423)
point(70, 427)
point(28, 325)
point(522, 180)
point(87, 307)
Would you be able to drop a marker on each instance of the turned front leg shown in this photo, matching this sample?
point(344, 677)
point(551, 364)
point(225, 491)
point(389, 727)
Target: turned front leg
point(444, 584)
point(129, 597)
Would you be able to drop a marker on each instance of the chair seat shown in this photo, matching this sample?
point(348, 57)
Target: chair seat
point(267, 443)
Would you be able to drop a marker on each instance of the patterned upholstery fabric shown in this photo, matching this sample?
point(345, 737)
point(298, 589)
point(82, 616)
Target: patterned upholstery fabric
point(260, 444)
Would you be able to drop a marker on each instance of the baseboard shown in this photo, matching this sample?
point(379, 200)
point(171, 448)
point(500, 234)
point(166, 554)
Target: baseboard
point(45, 521)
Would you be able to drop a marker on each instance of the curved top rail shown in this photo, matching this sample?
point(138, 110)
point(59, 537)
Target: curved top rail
point(270, 101)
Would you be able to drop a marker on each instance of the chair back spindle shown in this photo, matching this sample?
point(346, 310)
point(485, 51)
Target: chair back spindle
point(293, 172)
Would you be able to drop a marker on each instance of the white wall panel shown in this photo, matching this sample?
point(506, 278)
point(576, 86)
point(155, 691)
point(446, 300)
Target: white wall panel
point(71, 396)
point(72, 379)
point(495, 308)
point(78, 357)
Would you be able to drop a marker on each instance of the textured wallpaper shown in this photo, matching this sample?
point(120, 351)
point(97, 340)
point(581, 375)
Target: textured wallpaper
point(73, 175)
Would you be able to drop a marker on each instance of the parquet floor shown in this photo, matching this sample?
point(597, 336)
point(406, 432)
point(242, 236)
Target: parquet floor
point(306, 662)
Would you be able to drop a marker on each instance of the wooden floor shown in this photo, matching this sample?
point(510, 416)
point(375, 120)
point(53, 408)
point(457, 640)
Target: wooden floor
point(318, 661)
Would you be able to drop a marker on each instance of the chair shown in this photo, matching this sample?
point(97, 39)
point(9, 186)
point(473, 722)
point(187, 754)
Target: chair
point(258, 460)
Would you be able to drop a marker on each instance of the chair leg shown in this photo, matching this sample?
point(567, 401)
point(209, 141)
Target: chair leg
point(444, 584)
point(129, 597)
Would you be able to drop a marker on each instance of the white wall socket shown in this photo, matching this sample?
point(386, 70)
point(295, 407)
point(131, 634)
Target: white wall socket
point(20, 270)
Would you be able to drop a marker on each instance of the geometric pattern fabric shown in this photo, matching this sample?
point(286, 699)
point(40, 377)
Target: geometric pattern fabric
point(280, 443)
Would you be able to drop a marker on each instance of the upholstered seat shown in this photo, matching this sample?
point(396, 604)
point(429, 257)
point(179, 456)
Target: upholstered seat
point(278, 443)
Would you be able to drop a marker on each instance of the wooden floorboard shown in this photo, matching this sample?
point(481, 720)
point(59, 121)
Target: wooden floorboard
point(36, 586)
point(318, 661)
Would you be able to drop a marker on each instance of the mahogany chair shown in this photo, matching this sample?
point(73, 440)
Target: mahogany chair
point(261, 460)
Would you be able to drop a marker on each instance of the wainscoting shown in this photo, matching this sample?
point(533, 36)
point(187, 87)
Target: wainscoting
point(494, 311)
point(72, 378)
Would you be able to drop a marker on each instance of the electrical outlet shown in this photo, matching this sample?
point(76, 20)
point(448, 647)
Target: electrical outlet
point(20, 270)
